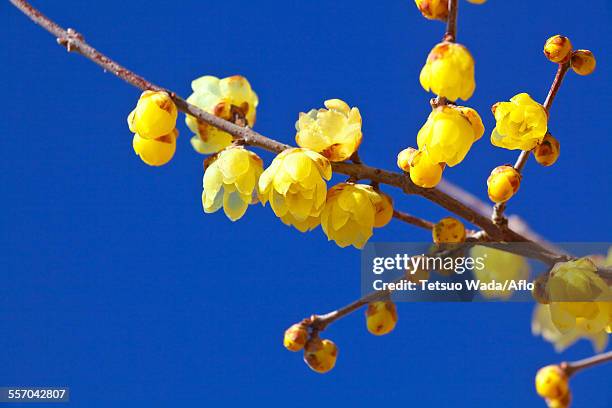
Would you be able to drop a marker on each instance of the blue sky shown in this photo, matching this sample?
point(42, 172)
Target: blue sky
point(115, 283)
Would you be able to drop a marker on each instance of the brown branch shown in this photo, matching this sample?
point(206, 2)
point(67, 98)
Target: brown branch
point(74, 42)
point(515, 222)
point(572, 368)
point(451, 22)
point(411, 219)
point(320, 322)
point(556, 85)
point(521, 161)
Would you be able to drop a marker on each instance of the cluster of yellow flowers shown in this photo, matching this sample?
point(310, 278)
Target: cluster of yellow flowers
point(445, 139)
point(450, 130)
point(153, 123)
point(522, 123)
point(321, 354)
point(575, 303)
point(295, 183)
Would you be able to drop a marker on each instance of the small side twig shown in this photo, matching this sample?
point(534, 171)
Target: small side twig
point(411, 219)
point(451, 22)
point(572, 368)
point(498, 211)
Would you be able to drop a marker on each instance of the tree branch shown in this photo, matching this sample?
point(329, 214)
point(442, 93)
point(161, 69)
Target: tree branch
point(74, 42)
point(411, 219)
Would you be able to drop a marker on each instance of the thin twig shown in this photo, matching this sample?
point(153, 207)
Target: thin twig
point(451, 22)
point(411, 219)
point(572, 368)
point(521, 161)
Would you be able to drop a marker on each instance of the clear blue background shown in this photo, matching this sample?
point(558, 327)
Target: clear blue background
point(115, 283)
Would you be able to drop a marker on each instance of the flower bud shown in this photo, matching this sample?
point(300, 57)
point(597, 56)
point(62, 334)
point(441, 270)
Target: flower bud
point(424, 172)
point(583, 62)
point(503, 183)
point(433, 9)
point(551, 382)
point(381, 317)
point(296, 337)
point(404, 158)
point(547, 152)
point(448, 230)
point(558, 49)
point(155, 152)
point(154, 116)
point(320, 355)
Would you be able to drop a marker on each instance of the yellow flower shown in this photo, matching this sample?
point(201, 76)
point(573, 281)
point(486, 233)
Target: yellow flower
point(521, 123)
point(381, 317)
point(334, 132)
point(499, 266)
point(320, 355)
point(230, 180)
point(295, 337)
point(424, 172)
point(558, 48)
point(433, 9)
point(295, 186)
point(547, 152)
point(349, 215)
point(583, 62)
point(542, 324)
point(154, 116)
point(449, 132)
point(220, 97)
point(448, 230)
point(155, 152)
point(552, 382)
point(503, 183)
point(449, 72)
point(578, 296)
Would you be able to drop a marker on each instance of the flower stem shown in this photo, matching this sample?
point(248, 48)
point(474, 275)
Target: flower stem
point(571, 368)
point(451, 21)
